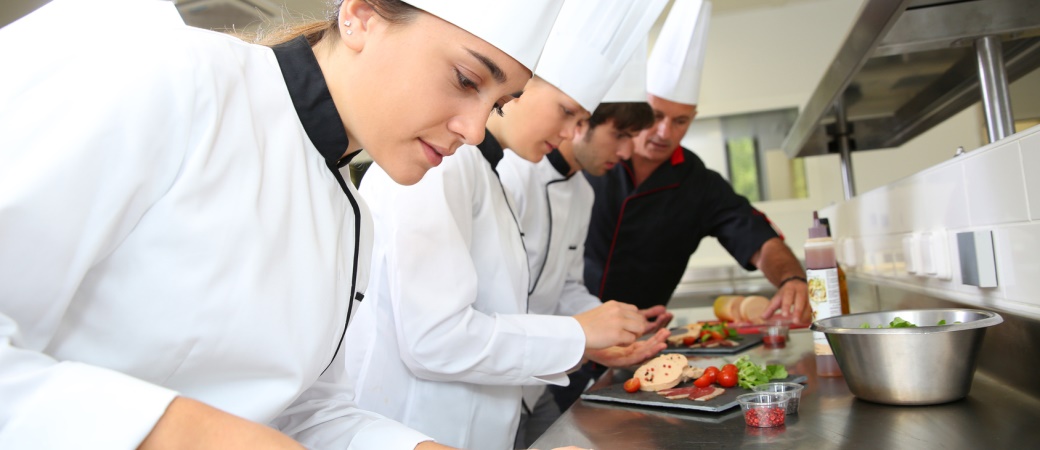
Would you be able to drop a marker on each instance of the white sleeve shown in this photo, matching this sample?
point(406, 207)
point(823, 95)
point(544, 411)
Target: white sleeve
point(86, 147)
point(434, 285)
point(575, 297)
point(325, 416)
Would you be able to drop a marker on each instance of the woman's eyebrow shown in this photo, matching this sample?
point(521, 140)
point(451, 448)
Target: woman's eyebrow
point(496, 72)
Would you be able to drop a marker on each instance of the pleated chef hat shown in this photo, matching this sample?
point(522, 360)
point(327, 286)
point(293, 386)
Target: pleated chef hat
point(591, 42)
point(517, 27)
point(674, 67)
point(630, 86)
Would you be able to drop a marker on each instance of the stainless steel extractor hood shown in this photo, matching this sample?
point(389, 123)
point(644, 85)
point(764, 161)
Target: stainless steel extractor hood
point(908, 65)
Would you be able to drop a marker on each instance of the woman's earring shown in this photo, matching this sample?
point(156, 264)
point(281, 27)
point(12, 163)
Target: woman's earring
point(347, 24)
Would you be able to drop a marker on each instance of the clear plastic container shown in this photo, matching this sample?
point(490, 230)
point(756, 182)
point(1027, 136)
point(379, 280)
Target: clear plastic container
point(793, 391)
point(775, 335)
point(764, 409)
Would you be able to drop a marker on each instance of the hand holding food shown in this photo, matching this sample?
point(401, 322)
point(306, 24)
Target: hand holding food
point(627, 355)
point(612, 323)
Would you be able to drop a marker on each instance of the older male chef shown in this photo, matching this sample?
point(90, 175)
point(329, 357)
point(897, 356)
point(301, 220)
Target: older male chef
point(652, 211)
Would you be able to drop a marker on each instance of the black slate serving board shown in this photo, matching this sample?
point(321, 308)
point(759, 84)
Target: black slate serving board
point(746, 342)
point(616, 393)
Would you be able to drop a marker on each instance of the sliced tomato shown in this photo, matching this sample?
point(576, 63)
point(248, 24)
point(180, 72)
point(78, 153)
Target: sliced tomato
point(689, 340)
point(631, 385)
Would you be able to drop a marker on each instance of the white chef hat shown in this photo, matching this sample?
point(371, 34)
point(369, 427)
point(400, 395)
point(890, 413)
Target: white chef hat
point(674, 67)
point(591, 42)
point(517, 27)
point(630, 86)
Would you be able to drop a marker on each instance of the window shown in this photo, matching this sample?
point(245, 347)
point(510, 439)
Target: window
point(745, 148)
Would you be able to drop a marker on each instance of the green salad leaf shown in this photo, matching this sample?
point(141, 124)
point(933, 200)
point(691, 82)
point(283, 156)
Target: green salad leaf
point(750, 374)
point(900, 323)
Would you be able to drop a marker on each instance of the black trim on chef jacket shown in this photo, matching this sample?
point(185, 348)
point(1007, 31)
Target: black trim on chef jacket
point(493, 153)
point(320, 118)
point(564, 168)
point(641, 238)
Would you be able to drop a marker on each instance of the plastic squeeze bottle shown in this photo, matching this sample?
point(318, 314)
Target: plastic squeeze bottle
point(843, 286)
point(824, 292)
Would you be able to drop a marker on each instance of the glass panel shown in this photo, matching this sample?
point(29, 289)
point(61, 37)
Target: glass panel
point(743, 167)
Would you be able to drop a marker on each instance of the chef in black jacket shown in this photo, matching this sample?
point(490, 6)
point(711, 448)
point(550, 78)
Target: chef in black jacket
point(652, 211)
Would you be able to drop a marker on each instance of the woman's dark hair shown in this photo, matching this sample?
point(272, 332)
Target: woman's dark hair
point(627, 116)
point(394, 11)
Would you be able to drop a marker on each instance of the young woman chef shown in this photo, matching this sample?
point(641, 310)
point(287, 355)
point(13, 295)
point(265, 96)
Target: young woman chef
point(552, 201)
point(448, 341)
point(178, 250)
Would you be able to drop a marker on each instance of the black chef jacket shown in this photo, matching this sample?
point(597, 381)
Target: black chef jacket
point(640, 239)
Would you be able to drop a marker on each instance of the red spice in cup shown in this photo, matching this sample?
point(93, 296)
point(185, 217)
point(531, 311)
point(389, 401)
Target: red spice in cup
point(764, 409)
point(766, 416)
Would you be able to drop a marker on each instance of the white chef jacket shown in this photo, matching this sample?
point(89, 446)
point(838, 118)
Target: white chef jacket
point(171, 225)
point(553, 209)
point(444, 338)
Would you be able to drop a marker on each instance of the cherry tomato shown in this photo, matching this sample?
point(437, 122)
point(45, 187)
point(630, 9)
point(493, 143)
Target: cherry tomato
point(705, 380)
point(730, 368)
point(632, 385)
point(727, 379)
point(714, 371)
point(689, 340)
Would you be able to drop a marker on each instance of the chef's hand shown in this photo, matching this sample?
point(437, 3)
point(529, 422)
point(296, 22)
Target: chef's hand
point(628, 355)
point(661, 318)
point(791, 302)
point(190, 424)
point(612, 323)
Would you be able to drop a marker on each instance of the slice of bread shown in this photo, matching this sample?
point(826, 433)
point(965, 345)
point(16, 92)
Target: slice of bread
point(663, 372)
point(752, 308)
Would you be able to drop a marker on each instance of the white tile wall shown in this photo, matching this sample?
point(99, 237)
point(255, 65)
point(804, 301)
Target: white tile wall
point(1018, 261)
point(1030, 148)
point(996, 188)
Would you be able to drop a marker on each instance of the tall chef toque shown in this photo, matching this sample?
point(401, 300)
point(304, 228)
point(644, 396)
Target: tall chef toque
point(631, 84)
point(591, 42)
point(517, 27)
point(674, 67)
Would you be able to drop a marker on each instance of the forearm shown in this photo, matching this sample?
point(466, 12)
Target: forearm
point(191, 424)
point(777, 262)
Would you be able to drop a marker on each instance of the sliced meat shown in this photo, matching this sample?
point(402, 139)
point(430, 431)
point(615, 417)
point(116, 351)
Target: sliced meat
point(729, 343)
point(705, 394)
point(677, 393)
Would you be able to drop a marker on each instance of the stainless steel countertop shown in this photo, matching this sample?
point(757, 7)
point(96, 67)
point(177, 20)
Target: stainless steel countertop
point(992, 416)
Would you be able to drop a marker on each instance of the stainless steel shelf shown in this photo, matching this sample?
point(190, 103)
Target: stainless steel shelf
point(908, 65)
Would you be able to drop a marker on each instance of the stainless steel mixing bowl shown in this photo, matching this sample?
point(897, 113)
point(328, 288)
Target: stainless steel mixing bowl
point(924, 365)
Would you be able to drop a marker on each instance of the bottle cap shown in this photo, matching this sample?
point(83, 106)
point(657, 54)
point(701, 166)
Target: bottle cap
point(826, 224)
point(818, 230)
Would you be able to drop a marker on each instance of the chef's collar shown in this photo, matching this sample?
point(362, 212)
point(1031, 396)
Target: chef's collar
point(559, 162)
point(491, 149)
point(310, 95)
point(677, 156)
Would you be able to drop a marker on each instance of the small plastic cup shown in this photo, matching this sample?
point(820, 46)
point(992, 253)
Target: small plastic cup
point(793, 391)
point(775, 335)
point(764, 409)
